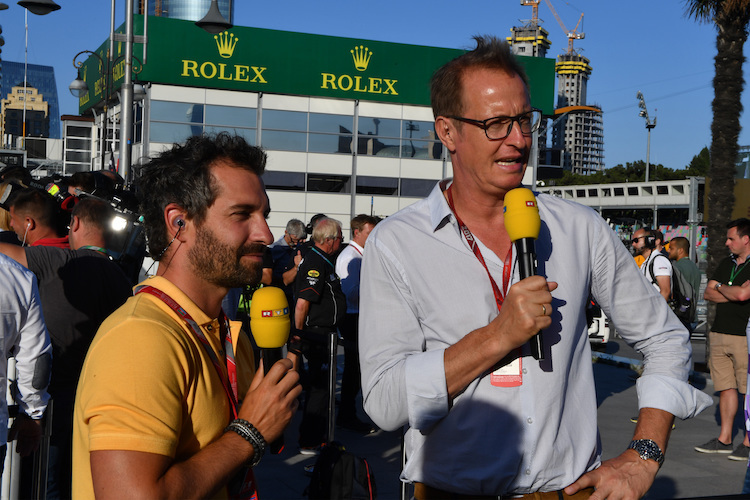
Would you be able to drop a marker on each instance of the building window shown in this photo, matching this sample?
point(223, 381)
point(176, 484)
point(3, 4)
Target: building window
point(78, 156)
point(236, 121)
point(284, 130)
point(175, 121)
point(78, 131)
point(382, 186)
point(329, 183)
point(284, 181)
point(420, 141)
point(416, 188)
point(173, 132)
point(231, 117)
point(379, 137)
point(138, 123)
point(330, 133)
point(178, 112)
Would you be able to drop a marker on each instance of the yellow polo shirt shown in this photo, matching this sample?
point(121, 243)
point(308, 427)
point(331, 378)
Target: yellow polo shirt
point(149, 385)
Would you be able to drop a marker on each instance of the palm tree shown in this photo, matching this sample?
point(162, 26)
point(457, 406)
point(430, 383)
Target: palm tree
point(731, 18)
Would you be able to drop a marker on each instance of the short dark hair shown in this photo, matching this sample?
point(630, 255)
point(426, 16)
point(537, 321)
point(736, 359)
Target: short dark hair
point(658, 235)
point(680, 242)
point(182, 175)
point(446, 85)
point(94, 212)
point(742, 225)
point(41, 206)
point(360, 221)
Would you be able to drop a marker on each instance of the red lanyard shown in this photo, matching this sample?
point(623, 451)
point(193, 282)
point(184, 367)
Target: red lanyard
point(231, 389)
point(499, 295)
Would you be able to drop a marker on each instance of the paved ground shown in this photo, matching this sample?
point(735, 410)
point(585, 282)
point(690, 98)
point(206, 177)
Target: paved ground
point(685, 474)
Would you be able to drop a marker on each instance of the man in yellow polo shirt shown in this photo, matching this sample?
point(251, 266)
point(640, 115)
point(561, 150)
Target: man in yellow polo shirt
point(168, 405)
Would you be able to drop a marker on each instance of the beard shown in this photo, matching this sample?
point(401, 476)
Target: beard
point(218, 263)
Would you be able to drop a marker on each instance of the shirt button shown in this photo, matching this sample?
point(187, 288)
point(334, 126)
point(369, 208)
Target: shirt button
point(528, 472)
point(530, 420)
point(524, 371)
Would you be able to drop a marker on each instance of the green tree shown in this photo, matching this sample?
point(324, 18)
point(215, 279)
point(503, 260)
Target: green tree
point(731, 18)
point(700, 164)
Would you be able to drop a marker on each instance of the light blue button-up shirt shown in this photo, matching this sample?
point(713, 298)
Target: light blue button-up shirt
point(423, 289)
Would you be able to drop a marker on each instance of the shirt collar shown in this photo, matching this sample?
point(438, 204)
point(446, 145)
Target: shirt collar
point(51, 242)
point(356, 245)
point(440, 212)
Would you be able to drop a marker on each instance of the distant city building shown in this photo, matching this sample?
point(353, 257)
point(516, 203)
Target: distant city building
point(190, 10)
point(41, 78)
point(577, 131)
point(580, 134)
point(23, 103)
point(529, 40)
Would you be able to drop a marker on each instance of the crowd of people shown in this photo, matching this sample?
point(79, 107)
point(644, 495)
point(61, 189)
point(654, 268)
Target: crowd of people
point(156, 390)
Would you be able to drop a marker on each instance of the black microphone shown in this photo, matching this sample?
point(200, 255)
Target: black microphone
point(522, 223)
point(270, 324)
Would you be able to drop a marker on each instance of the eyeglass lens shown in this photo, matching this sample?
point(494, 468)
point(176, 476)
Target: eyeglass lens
point(501, 128)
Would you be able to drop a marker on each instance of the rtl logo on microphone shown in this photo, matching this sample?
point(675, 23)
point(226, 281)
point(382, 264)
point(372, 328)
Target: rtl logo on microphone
point(274, 312)
point(530, 203)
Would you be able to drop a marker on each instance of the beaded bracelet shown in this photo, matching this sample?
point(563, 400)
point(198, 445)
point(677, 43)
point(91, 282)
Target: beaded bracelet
point(249, 433)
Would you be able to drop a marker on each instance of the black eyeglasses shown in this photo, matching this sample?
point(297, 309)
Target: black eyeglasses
point(635, 240)
point(499, 127)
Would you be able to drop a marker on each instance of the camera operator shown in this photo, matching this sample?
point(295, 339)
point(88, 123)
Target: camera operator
point(79, 287)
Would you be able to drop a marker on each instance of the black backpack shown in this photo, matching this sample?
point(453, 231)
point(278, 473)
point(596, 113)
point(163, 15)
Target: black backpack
point(340, 475)
point(683, 301)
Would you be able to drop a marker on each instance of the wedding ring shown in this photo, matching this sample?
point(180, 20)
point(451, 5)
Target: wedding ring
point(544, 310)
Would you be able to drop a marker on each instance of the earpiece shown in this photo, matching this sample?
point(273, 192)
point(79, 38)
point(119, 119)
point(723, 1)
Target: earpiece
point(28, 225)
point(179, 223)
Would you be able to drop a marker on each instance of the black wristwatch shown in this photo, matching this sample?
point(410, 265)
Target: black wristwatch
point(647, 449)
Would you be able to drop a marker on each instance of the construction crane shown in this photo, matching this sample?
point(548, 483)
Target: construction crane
point(572, 35)
point(535, 9)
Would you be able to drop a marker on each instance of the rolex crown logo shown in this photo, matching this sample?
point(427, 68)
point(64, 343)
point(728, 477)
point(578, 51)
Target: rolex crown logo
point(226, 42)
point(361, 56)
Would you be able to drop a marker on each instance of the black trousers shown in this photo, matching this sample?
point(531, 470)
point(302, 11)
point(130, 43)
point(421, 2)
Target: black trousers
point(314, 425)
point(351, 383)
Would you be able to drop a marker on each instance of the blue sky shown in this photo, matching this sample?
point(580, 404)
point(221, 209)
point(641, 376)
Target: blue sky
point(635, 45)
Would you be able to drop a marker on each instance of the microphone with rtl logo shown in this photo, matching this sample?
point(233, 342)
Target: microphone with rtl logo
point(523, 223)
point(270, 324)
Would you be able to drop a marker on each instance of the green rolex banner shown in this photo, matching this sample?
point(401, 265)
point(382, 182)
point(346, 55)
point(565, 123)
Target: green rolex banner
point(282, 62)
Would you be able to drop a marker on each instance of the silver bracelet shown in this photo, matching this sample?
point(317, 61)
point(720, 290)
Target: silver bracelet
point(249, 433)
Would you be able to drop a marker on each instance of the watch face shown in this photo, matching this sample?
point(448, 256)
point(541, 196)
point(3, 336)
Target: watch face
point(647, 449)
